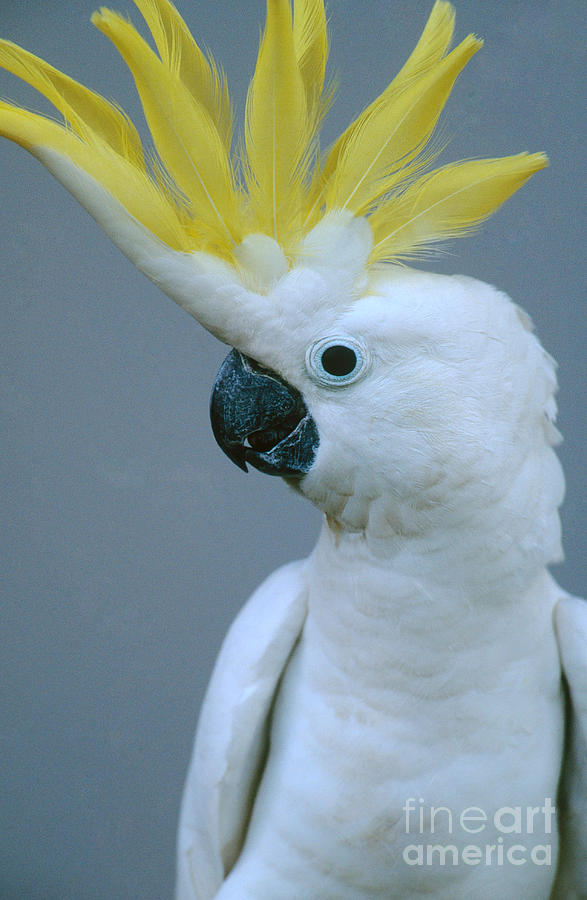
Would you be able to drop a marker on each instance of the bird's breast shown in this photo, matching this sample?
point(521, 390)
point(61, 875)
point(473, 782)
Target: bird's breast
point(374, 728)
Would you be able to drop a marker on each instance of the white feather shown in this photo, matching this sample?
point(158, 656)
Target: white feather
point(428, 665)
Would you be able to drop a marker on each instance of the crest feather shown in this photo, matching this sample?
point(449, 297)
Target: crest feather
point(195, 196)
point(383, 148)
point(82, 108)
point(184, 132)
point(311, 46)
point(429, 50)
point(277, 130)
point(180, 54)
point(449, 202)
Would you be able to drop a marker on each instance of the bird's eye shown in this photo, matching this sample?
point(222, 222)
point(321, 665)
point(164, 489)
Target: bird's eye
point(336, 360)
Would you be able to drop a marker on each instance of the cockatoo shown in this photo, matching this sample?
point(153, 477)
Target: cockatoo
point(403, 713)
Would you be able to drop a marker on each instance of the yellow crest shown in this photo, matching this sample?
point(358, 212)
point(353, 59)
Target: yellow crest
point(200, 193)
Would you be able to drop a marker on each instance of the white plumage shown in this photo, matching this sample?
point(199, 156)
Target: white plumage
point(413, 662)
point(424, 661)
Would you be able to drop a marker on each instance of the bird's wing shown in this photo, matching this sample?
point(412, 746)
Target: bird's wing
point(231, 740)
point(571, 629)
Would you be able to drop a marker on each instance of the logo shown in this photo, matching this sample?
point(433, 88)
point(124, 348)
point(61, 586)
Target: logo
point(514, 835)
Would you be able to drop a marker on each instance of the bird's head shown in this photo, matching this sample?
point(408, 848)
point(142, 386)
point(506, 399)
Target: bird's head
point(397, 401)
point(383, 394)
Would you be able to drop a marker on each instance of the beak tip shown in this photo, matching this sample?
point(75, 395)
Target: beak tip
point(237, 454)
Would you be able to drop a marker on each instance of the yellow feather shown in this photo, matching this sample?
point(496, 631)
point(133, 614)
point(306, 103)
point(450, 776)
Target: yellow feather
point(383, 150)
point(181, 54)
point(311, 48)
point(184, 133)
point(449, 202)
point(83, 109)
point(130, 185)
point(278, 132)
point(431, 47)
point(311, 45)
point(429, 50)
point(188, 195)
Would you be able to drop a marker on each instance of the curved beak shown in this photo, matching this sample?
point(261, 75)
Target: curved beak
point(259, 418)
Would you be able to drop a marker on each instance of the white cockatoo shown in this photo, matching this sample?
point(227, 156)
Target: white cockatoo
point(404, 713)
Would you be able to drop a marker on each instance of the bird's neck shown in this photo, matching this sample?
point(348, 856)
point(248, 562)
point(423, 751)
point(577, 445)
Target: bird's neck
point(416, 608)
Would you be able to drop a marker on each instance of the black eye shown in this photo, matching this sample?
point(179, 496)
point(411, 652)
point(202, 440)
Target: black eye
point(339, 360)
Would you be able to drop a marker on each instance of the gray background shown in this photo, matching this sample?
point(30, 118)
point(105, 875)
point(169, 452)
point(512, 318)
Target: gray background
point(130, 541)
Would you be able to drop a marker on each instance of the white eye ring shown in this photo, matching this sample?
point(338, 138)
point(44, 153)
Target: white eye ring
point(337, 361)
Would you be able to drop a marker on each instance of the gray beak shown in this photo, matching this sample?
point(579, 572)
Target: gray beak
point(259, 418)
